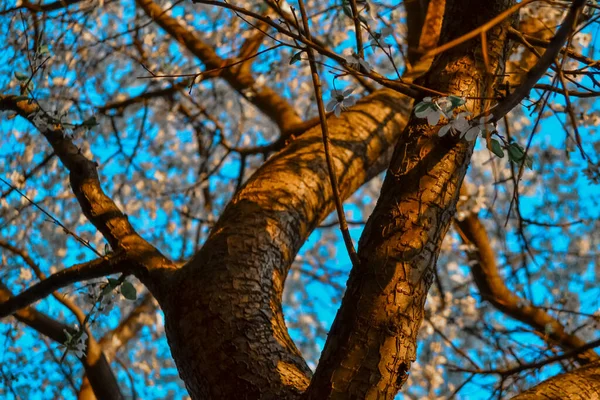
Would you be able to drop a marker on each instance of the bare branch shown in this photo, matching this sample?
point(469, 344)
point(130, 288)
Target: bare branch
point(265, 99)
point(111, 264)
point(492, 288)
point(540, 68)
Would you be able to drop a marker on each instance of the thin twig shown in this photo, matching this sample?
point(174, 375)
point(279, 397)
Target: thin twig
point(327, 143)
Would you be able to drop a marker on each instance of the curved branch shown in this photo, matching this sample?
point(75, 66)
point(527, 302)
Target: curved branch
point(265, 99)
point(580, 384)
point(492, 288)
point(111, 264)
point(229, 294)
point(103, 381)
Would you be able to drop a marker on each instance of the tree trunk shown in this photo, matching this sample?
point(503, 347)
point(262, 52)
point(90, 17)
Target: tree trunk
point(225, 326)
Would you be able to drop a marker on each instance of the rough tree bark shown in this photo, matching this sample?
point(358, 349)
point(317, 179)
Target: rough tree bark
point(372, 342)
point(226, 325)
point(229, 336)
point(223, 312)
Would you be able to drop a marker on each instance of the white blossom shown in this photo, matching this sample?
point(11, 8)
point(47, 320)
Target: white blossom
point(458, 124)
point(354, 60)
point(340, 101)
point(482, 127)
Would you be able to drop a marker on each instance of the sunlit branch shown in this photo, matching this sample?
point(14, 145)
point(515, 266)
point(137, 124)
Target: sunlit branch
point(477, 32)
point(265, 99)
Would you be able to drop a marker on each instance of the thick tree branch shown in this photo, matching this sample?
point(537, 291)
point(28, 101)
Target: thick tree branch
point(265, 99)
point(228, 306)
point(492, 288)
point(580, 384)
point(372, 342)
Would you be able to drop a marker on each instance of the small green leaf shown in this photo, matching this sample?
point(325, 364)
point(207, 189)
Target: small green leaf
point(90, 122)
point(128, 291)
point(496, 148)
point(21, 76)
point(43, 50)
point(113, 283)
point(107, 289)
point(515, 152)
point(456, 101)
point(296, 57)
point(422, 106)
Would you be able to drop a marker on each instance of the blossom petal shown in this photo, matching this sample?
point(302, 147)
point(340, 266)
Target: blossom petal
point(365, 65)
point(433, 118)
point(348, 92)
point(472, 133)
point(444, 129)
point(423, 113)
point(337, 110)
point(349, 101)
point(460, 124)
point(330, 105)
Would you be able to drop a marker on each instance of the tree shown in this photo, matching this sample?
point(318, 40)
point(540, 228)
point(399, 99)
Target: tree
point(216, 166)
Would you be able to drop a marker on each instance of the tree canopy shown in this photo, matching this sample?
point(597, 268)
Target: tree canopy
point(262, 199)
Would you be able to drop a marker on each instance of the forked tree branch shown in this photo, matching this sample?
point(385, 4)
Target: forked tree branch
point(99, 209)
point(97, 368)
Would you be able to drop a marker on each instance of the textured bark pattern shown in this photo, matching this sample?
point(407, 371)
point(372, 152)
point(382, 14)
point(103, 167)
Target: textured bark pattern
point(225, 326)
point(372, 342)
point(581, 384)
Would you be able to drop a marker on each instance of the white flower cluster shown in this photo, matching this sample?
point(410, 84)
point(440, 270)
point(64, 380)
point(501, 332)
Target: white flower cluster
point(76, 342)
point(434, 110)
